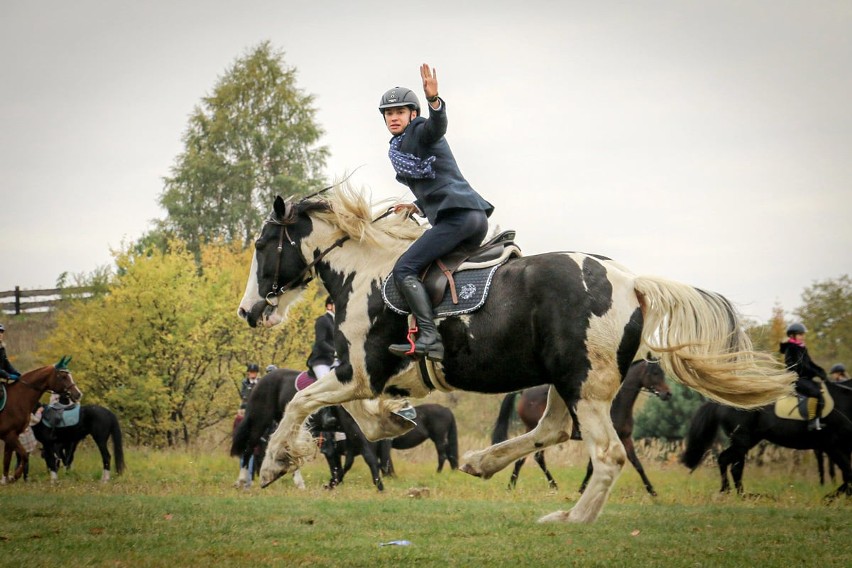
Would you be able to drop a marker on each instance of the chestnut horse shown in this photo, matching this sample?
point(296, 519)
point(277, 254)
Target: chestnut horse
point(21, 398)
point(572, 320)
point(642, 375)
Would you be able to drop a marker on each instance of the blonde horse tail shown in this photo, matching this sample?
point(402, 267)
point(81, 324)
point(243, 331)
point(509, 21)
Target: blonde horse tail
point(699, 338)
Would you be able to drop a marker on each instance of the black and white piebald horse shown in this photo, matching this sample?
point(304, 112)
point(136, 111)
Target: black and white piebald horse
point(571, 320)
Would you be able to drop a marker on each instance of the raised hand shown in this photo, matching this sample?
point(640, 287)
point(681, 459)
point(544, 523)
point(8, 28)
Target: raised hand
point(430, 81)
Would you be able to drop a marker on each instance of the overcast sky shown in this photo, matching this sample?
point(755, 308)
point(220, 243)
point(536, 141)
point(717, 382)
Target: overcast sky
point(705, 141)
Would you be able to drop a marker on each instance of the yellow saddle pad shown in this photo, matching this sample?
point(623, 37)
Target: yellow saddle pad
point(788, 407)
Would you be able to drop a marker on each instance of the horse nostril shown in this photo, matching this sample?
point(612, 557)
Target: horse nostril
point(242, 313)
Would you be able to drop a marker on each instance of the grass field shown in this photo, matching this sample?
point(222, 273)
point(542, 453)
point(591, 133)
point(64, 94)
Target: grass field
point(181, 509)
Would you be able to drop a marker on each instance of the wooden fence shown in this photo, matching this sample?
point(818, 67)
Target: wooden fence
point(39, 300)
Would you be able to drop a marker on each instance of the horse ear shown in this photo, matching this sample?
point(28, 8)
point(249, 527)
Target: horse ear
point(63, 363)
point(280, 207)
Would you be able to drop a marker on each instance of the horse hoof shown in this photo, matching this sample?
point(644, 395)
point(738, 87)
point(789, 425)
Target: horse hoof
point(555, 517)
point(468, 469)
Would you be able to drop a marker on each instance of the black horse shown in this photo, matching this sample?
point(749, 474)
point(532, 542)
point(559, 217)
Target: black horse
point(434, 422)
point(643, 374)
point(745, 429)
point(60, 444)
point(342, 437)
point(265, 408)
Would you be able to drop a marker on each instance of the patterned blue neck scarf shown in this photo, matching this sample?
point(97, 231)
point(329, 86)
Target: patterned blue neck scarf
point(408, 165)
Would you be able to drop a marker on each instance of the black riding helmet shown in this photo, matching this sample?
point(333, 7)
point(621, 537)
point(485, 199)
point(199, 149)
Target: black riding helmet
point(397, 97)
point(838, 368)
point(796, 328)
point(253, 367)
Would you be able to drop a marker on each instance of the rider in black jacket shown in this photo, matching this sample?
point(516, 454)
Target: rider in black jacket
point(7, 370)
point(799, 361)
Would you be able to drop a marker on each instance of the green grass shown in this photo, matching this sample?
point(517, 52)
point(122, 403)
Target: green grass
point(180, 509)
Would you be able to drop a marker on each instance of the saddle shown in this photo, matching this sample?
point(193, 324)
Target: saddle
point(59, 415)
point(458, 282)
point(788, 406)
point(304, 380)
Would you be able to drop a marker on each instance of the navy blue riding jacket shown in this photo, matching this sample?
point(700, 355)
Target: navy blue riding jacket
point(448, 190)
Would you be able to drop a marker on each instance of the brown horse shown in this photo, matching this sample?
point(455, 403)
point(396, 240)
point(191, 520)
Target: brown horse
point(21, 399)
point(642, 374)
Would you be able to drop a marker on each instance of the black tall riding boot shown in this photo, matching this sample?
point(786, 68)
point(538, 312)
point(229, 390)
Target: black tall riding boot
point(428, 340)
point(816, 423)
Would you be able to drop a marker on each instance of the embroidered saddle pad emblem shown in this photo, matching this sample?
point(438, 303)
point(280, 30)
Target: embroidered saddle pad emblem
point(61, 417)
point(472, 287)
point(788, 407)
point(304, 380)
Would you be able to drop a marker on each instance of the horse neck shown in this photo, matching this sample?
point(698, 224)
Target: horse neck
point(629, 391)
point(30, 389)
point(361, 259)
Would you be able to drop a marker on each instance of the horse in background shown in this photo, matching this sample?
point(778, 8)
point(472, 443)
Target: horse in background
point(642, 375)
point(21, 399)
point(264, 409)
point(571, 320)
point(433, 422)
point(60, 443)
point(746, 428)
point(333, 420)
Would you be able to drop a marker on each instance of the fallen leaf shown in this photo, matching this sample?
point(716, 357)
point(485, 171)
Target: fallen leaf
point(96, 530)
point(635, 533)
point(168, 516)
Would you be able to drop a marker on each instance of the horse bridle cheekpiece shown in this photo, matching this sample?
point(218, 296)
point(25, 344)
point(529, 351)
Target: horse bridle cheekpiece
point(289, 217)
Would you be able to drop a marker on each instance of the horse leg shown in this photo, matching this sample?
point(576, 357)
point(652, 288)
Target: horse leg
point(106, 458)
point(298, 480)
point(727, 458)
point(539, 459)
point(292, 443)
point(378, 418)
point(634, 459)
point(7, 461)
point(553, 428)
point(16, 447)
point(844, 463)
point(368, 452)
point(608, 458)
point(737, 468)
point(820, 465)
point(590, 469)
point(513, 480)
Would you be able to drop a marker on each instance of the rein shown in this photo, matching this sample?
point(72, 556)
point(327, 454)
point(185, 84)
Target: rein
point(35, 388)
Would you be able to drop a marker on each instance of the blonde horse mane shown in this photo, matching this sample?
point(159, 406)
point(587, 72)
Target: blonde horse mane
point(353, 214)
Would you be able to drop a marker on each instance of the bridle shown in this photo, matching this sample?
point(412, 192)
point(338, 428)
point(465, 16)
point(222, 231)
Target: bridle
point(35, 388)
point(307, 274)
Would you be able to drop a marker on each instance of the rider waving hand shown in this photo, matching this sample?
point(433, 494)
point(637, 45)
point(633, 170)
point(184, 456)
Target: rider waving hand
point(423, 161)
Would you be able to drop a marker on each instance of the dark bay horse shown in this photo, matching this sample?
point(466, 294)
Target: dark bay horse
point(746, 429)
point(60, 444)
point(642, 375)
point(21, 399)
point(571, 320)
